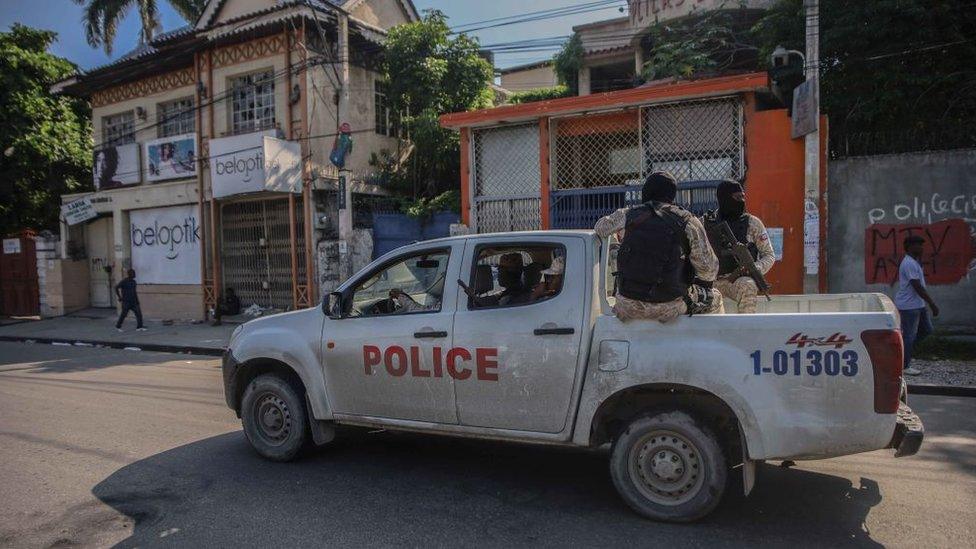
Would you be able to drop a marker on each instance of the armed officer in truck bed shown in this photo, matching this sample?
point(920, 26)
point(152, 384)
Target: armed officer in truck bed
point(735, 280)
point(665, 265)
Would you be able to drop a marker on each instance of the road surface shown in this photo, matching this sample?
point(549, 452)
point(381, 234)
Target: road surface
point(103, 446)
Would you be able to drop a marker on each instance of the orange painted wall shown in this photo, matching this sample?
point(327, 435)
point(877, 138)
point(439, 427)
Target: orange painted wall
point(774, 189)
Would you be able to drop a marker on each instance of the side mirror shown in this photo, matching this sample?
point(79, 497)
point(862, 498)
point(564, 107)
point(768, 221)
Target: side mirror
point(332, 305)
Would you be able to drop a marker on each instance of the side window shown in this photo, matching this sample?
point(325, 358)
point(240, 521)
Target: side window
point(409, 285)
point(509, 276)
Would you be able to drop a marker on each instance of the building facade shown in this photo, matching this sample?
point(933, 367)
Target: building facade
point(614, 50)
point(212, 161)
point(565, 163)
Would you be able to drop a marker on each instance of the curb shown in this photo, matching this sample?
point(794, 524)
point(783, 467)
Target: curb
point(941, 390)
point(183, 349)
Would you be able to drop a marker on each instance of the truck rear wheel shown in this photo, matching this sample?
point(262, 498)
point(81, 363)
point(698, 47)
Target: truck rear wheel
point(667, 466)
point(274, 418)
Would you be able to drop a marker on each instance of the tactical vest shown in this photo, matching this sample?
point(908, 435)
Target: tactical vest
point(652, 262)
point(740, 228)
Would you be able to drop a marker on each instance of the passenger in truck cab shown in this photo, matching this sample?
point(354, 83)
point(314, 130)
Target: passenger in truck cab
point(510, 271)
point(552, 280)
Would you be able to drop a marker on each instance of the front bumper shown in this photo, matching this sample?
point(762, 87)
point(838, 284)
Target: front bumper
point(229, 367)
point(909, 431)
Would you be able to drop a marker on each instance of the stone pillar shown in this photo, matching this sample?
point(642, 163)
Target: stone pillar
point(584, 81)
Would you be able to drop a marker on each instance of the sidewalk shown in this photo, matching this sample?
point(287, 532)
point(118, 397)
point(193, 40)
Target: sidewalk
point(97, 327)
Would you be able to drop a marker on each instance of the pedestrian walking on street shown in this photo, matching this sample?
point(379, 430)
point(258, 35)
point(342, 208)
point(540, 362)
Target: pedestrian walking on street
point(125, 290)
point(911, 299)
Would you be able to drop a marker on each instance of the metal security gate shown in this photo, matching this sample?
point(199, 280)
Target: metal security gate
point(506, 179)
point(694, 140)
point(256, 251)
point(18, 276)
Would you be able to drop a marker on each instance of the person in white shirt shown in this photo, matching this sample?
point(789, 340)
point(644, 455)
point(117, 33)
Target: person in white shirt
point(911, 299)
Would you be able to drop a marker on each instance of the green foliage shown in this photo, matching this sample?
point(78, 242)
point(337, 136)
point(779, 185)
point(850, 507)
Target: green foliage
point(430, 73)
point(45, 140)
point(102, 17)
point(711, 42)
point(882, 68)
point(423, 208)
point(539, 94)
point(567, 63)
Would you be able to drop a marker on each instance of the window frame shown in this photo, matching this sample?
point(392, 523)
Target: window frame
point(469, 302)
point(232, 88)
point(178, 119)
point(348, 293)
point(380, 91)
point(123, 139)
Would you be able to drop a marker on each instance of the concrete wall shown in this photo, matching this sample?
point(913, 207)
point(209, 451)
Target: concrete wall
point(170, 301)
point(65, 287)
point(381, 13)
point(910, 194)
point(529, 79)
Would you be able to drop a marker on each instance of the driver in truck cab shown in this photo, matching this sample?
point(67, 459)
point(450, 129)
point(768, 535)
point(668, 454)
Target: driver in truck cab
point(666, 267)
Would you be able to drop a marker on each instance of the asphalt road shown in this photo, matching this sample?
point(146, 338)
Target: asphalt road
point(99, 447)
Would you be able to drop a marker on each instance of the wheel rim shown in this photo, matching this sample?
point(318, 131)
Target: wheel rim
point(666, 467)
point(272, 419)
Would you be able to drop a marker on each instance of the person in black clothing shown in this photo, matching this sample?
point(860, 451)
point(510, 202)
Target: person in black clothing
point(229, 305)
point(125, 291)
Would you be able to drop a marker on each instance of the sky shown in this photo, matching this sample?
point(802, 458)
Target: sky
point(64, 17)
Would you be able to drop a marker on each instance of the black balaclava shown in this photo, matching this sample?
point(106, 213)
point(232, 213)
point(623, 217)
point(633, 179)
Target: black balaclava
point(660, 187)
point(730, 207)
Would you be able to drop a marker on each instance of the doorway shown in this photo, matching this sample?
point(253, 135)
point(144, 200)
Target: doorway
point(100, 248)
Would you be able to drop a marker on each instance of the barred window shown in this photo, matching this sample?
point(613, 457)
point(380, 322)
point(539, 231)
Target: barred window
point(118, 129)
point(253, 105)
point(176, 117)
point(381, 108)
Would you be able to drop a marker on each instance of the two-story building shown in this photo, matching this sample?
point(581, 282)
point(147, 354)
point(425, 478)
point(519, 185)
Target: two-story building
point(615, 50)
point(212, 161)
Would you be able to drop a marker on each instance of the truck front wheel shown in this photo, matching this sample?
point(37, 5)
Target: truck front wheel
point(667, 466)
point(274, 418)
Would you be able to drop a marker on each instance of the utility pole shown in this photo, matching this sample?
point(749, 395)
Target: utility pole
point(345, 183)
point(811, 169)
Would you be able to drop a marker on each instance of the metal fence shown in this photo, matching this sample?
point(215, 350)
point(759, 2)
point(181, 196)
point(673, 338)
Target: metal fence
point(596, 159)
point(506, 179)
point(934, 136)
point(598, 150)
point(694, 140)
point(581, 208)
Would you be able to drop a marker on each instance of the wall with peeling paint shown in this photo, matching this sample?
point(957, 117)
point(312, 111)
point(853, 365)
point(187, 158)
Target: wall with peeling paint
point(875, 201)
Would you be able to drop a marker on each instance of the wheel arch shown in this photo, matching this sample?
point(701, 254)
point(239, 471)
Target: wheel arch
point(621, 407)
point(250, 369)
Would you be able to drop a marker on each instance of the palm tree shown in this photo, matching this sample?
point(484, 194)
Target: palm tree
point(102, 17)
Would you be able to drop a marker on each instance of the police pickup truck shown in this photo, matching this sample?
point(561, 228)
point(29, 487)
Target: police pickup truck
point(512, 337)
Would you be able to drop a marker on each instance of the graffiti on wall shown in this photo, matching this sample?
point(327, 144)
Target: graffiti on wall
point(948, 250)
point(947, 222)
point(932, 208)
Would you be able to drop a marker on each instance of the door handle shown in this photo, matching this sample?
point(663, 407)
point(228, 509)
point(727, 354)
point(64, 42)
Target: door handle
point(553, 331)
point(420, 335)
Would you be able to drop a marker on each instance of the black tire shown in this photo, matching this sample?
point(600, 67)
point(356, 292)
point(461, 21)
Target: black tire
point(668, 466)
point(274, 418)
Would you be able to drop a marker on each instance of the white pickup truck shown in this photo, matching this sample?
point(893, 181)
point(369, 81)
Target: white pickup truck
point(540, 358)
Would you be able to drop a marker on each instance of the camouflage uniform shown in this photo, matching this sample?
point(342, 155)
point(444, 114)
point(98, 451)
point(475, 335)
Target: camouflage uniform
point(743, 289)
point(702, 258)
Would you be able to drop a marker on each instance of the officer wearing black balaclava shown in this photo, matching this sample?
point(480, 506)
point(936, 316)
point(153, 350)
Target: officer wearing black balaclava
point(665, 266)
point(733, 281)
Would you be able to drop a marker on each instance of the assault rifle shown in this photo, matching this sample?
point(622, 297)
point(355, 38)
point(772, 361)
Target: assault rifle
point(740, 252)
